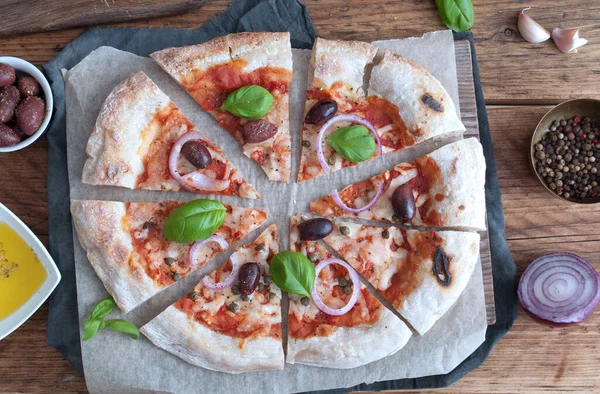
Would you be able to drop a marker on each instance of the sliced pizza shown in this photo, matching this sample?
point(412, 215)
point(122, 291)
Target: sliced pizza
point(231, 321)
point(126, 247)
point(342, 126)
point(442, 189)
point(365, 333)
point(236, 78)
point(421, 274)
point(141, 140)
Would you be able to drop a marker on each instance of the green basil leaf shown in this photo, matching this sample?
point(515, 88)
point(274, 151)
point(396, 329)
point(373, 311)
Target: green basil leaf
point(123, 326)
point(293, 272)
point(92, 326)
point(251, 101)
point(354, 143)
point(194, 221)
point(103, 308)
point(458, 15)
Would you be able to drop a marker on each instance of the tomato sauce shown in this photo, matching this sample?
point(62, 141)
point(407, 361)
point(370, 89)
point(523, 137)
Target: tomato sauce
point(429, 173)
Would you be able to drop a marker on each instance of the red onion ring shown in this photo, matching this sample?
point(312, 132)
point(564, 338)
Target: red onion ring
point(235, 267)
point(336, 198)
point(195, 180)
point(560, 288)
point(355, 288)
point(344, 118)
point(197, 245)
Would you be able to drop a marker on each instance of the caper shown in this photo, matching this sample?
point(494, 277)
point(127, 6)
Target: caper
point(304, 301)
point(233, 307)
point(331, 160)
point(344, 230)
point(313, 257)
point(170, 261)
point(235, 289)
point(267, 280)
point(348, 290)
point(245, 297)
point(272, 295)
point(148, 224)
point(305, 143)
point(194, 295)
point(175, 276)
point(385, 234)
point(342, 281)
point(259, 247)
point(315, 229)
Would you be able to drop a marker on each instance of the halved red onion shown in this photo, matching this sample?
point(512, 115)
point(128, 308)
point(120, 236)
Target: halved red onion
point(235, 268)
point(336, 198)
point(344, 118)
point(560, 288)
point(355, 288)
point(195, 180)
point(197, 245)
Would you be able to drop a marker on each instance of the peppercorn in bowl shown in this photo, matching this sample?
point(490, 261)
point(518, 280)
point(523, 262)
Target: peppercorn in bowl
point(565, 151)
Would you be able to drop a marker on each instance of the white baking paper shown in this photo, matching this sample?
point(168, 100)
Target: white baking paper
point(115, 363)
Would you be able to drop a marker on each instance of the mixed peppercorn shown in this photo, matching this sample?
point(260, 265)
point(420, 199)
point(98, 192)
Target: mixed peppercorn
point(568, 156)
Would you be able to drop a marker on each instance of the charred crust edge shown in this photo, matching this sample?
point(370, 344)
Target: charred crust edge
point(432, 103)
point(440, 267)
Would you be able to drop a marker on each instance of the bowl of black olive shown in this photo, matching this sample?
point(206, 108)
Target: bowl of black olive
point(565, 151)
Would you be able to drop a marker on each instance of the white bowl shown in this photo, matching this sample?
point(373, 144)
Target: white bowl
point(28, 68)
point(18, 317)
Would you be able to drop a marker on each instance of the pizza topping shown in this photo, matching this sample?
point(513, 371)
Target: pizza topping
point(432, 103)
point(233, 307)
point(293, 272)
point(197, 154)
point(195, 180)
point(235, 266)
point(249, 276)
point(252, 101)
point(315, 229)
point(336, 198)
point(355, 119)
point(194, 221)
point(353, 143)
point(440, 267)
point(197, 245)
point(403, 203)
point(321, 112)
point(354, 290)
point(258, 130)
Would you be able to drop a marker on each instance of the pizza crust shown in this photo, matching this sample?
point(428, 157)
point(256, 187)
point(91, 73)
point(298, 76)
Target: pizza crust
point(174, 332)
point(407, 85)
point(99, 227)
point(112, 149)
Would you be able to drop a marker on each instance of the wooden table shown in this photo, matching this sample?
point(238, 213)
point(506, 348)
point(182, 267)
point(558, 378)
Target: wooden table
point(521, 81)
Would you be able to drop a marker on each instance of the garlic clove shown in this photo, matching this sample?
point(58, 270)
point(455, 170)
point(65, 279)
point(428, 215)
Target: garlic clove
point(531, 30)
point(567, 40)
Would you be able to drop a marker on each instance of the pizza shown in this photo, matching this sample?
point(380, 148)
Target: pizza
point(212, 71)
point(444, 188)
point(421, 274)
point(141, 140)
point(405, 105)
point(366, 333)
point(226, 329)
point(126, 247)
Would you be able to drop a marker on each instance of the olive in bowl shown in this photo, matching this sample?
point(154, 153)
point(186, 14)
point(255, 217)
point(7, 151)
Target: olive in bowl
point(26, 104)
point(565, 151)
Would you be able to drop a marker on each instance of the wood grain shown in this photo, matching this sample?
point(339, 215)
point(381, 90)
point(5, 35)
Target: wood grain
point(22, 17)
point(532, 358)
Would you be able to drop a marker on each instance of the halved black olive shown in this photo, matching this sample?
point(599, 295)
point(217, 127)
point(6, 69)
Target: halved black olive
point(403, 203)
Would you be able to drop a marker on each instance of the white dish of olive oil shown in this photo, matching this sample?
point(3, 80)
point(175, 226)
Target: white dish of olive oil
point(28, 275)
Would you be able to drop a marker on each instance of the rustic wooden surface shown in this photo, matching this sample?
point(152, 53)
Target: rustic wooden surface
point(520, 81)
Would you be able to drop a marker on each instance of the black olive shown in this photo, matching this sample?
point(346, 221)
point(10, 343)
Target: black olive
point(321, 112)
point(249, 276)
point(314, 229)
point(403, 203)
point(197, 154)
point(258, 130)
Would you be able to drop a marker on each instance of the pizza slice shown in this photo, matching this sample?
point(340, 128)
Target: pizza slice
point(223, 324)
point(421, 274)
point(141, 140)
point(125, 245)
point(366, 333)
point(445, 188)
point(242, 80)
point(343, 126)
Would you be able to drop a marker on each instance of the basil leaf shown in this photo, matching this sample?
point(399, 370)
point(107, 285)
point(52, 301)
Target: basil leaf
point(251, 101)
point(458, 15)
point(194, 221)
point(103, 308)
point(92, 326)
point(354, 143)
point(293, 272)
point(123, 326)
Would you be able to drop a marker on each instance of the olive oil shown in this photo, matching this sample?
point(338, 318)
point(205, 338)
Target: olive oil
point(21, 272)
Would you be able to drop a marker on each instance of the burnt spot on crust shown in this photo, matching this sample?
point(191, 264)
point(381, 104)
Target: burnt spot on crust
point(440, 267)
point(432, 103)
point(461, 207)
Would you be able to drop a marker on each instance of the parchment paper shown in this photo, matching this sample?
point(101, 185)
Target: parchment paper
point(115, 363)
